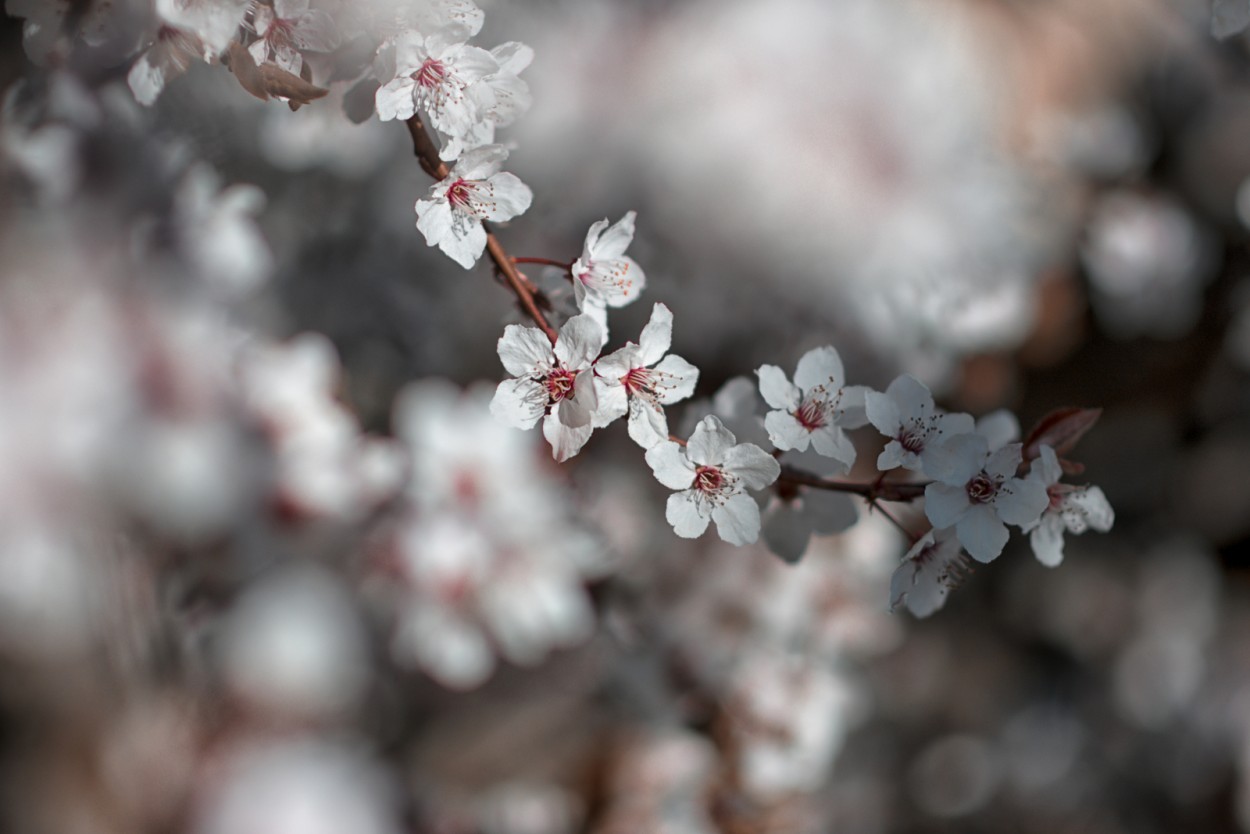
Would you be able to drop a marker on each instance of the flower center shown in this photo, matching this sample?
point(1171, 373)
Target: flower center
point(560, 384)
point(431, 74)
point(708, 479)
point(460, 193)
point(811, 414)
point(912, 440)
point(983, 488)
point(639, 381)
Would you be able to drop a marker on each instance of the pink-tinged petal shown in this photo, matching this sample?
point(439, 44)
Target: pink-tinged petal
point(657, 336)
point(828, 512)
point(578, 410)
point(851, 412)
point(738, 519)
point(1005, 461)
point(465, 248)
point(777, 391)
point(710, 442)
point(1087, 508)
point(579, 342)
point(524, 350)
point(1045, 468)
point(1047, 540)
point(648, 425)
point(981, 533)
point(480, 163)
point(618, 363)
point(683, 511)
point(1021, 501)
point(513, 57)
point(435, 220)
point(510, 197)
point(999, 428)
point(674, 379)
point(396, 99)
point(613, 403)
point(786, 533)
point(785, 432)
point(821, 366)
point(613, 243)
point(832, 442)
point(565, 441)
point(944, 505)
point(519, 402)
point(753, 465)
point(955, 461)
point(671, 466)
point(883, 413)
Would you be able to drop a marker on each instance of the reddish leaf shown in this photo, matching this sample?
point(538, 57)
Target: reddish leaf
point(1060, 430)
point(245, 70)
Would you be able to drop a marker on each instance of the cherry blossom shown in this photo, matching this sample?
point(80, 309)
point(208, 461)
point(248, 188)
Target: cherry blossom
point(499, 99)
point(213, 22)
point(815, 408)
point(713, 472)
point(604, 276)
point(552, 382)
point(166, 59)
point(931, 569)
point(641, 380)
point(976, 491)
point(905, 413)
point(432, 73)
point(1071, 508)
point(288, 28)
point(475, 190)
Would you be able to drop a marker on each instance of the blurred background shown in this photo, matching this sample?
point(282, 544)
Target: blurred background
point(266, 564)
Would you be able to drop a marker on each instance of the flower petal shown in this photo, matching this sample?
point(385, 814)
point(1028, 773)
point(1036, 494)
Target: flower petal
point(579, 342)
point(957, 460)
point(738, 519)
point(1094, 508)
point(786, 532)
point(613, 403)
point(396, 99)
point(683, 512)
point(509, 197)
point(832, 442)
point(785, 432)
point(671, 466)
point(753, 465)
point(1047, 540)
point(828, 512)
point(821, 366)
point(519, 402)
point(883, 413)
point(709, 443)
point(981, 533)
point(777, 391)
point(525, 351)
point(674, 379)
point(613, 243)
point(566, 441)
point(648, 424)
point(1020, 501)
point(657, 336)
point(464, 244)
point(945, 504)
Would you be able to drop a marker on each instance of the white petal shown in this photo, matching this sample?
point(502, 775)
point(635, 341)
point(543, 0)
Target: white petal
point(657, 336)
point(777, 391)
point(613, 403)
point(911, 396)
point(1045, 467)
point(709, 443)
point(671, 466)
point(999, 428)
point(434, 220)
point(893, 455)
point(674, 379)
point(957, 460)
point(738, 519)
point(785, 432)
point(591, 244)
point(565, 441)
point(509, 197)
point(1020, 501)
point(647, 423)
point(944, 504)
point(519, 402)
point(1005, 461)
point(1094, 506)
point(832, 442)
point(786, 532)
point(480, 163)
point(883, 413)
point(613, 243)
point(618, 363)
point(827, 511)
point(821, 366)
point(525, 350)
point(851, 412)
point(579, 342)
point(396, 100)
point(579, 409)
point(682, 511)
point(753, 465)
point(1047, 540)
point(465, 244)
point(146, 79)
point(981, 533)
point(513, 57)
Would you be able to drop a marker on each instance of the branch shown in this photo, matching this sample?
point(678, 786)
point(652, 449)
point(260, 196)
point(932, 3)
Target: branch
point(876, 491)
point(427, 154)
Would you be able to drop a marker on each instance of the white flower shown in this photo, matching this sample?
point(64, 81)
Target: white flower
point(604, 276)
point(627, 382)
point(1070, 508)
point(551, 380)
point(713, 474)
point(217, 229)
point(931, 569)
point(214, 22)
point(815, 408)
point(288, 28)
point(905, 413)
point(499, 99)
point(451, 217)
point(433, 73)
point(976, 491)
point(167, 58)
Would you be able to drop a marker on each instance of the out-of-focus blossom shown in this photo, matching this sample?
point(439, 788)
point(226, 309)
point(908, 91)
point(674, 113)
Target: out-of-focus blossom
point(640, 380)
point(1071, 508)
point(218, 231)
point(288, 28)
point(931, 569)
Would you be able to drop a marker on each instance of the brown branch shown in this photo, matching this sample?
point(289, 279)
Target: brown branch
point(876, 491)
point(427, 153)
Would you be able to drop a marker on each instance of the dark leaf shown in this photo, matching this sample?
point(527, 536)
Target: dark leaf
point(1060, 430)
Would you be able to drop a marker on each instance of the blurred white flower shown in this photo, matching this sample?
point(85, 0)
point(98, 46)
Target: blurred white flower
point(1071, 508)
point(288, 28)
point(218, 231)
point(934, 566)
